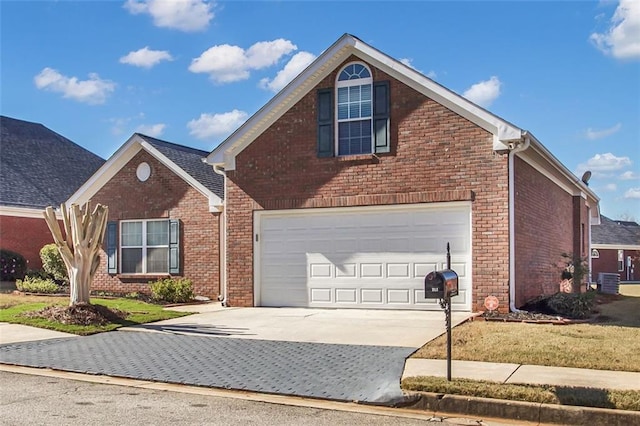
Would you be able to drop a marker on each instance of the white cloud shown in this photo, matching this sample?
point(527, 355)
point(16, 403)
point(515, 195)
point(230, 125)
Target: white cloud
point(296, 64)
point(184, 15)
point(209, 125)
point(633, 193)
point(604, 163)
point(226, 63)
point(599, 134)
point(432, 75)
point(92, 91)
point(622, 38)
point(484, 92)
point(153, 130)
point(145, 57)
point(629, 175)
point(611, 187)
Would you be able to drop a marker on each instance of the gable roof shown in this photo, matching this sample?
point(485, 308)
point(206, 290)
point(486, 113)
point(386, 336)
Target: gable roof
point(616, 233)
point(188, 163)
point(39, 167)
point(347, 45)
point(506, 136)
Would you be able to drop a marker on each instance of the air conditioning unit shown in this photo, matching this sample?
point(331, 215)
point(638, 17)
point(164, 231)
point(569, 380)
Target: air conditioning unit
point(609, 283)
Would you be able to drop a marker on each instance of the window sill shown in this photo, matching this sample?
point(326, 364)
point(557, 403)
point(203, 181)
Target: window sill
point(141, 277)
point(358, 158)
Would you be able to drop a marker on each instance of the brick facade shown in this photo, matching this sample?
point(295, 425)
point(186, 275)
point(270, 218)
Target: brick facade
point(26, 236)
point(548, 222)
point(436, 155)
point(163, 195)
point(608, 262)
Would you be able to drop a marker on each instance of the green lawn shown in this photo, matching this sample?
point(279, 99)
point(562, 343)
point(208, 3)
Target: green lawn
point(12, 308)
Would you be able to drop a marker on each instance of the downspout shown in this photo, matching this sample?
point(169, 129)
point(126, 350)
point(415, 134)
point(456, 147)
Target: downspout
point(512, 226)
point(223, 242)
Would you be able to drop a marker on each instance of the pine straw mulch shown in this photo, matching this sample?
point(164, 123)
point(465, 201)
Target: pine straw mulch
point(80, 314)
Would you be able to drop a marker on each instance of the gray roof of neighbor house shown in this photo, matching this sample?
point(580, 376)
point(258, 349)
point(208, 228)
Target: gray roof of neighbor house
point(191, 161)
point(39, 167)
point(615, 232)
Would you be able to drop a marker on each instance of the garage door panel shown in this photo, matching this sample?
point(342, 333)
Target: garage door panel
point(365, 258)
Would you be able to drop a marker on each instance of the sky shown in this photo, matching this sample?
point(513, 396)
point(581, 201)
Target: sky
point(192, 71)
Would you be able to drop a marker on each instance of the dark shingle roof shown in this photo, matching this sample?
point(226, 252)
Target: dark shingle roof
point(39, 167)
point(191, 161)
point(615, 232)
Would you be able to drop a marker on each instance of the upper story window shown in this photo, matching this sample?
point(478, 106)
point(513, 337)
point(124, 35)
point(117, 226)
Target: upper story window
point(353, 117)
point(144, 246)
point(354, 108)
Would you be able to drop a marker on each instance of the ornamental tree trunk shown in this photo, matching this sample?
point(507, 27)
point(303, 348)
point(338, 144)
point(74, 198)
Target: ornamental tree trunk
point(80, 245)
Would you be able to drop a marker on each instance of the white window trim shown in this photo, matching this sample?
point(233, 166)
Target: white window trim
point(349, 83)
point(144, 246)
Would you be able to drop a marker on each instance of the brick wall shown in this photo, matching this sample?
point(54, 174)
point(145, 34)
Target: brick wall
point(163, 195)
point(436, 155)
point(608, 262)
point(26, 236)
point(545, 228)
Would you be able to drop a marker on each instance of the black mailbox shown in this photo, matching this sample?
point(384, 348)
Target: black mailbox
point(439, 283)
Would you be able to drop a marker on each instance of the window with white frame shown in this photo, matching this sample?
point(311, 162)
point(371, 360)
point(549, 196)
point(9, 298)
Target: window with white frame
point(144, 246)
point(353, 116)
point(354, 109)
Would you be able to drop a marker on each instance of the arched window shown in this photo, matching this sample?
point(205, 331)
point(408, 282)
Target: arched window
point(354, 110)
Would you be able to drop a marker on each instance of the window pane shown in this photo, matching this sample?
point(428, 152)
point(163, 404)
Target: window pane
point(354, 94)
point(365, 92)
point(354, 111)
point(158, 233)
point(158, 260)
point(343, 112)
point(131, 234)
point(131, 260)
point(343, 95)
point(365, 109)
point(354, 137)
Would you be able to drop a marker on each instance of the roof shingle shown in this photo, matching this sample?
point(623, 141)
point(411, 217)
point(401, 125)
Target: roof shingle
point(615, 232)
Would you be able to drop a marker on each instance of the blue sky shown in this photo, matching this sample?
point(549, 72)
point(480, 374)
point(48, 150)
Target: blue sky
point(192, 71)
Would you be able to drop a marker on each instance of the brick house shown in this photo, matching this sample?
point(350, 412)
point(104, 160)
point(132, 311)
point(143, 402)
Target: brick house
point(164, 216)
point(345, 188)
point(615, 248)
point(38, 168)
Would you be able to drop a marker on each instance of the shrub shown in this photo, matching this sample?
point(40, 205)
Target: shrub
point(52, 262)
point(12, 265)
point(572, 305)
point(37, 285)
point(172, 290)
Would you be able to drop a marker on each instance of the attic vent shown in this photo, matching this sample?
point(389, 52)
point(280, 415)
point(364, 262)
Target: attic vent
point(143, 172)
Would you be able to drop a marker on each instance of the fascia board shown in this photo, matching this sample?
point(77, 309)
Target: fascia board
point(31, 213)
point(615, 246)
point(107, 171)
point(214, 200)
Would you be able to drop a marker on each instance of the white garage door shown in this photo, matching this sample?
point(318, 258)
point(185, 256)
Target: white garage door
point(364, 257)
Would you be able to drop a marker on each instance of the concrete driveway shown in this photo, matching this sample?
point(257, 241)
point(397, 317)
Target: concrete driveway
point(338, 326)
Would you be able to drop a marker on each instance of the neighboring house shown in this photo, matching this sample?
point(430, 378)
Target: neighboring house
point(344, 190)
point(164, 216)
point(615, 248)
point(38, 168)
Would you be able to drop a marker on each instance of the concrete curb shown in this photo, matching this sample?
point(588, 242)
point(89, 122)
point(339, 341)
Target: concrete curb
point(517, 410)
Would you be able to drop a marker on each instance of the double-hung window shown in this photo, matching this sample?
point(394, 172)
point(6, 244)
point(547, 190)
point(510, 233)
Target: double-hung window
point(146, 246)
point(354, 110)
point(353, 117)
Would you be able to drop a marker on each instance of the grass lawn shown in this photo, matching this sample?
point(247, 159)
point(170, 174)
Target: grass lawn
point(13, 306)
point(613, 343)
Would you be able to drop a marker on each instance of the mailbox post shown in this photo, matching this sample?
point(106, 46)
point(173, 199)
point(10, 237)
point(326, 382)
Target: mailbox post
point(443, 285)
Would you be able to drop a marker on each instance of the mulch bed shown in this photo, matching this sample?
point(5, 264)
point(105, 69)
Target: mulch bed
point(80, 314)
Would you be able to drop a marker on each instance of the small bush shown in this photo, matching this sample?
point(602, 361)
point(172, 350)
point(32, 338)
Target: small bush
point(172, 290)
point(567, 305)
point(12, 265)
point(37, 285)
point(52, 262)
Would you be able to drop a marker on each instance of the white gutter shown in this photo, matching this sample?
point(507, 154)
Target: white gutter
point(223, 241)
point(512, 225)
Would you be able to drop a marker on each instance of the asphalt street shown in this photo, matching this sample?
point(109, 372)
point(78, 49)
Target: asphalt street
point(37, 400)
